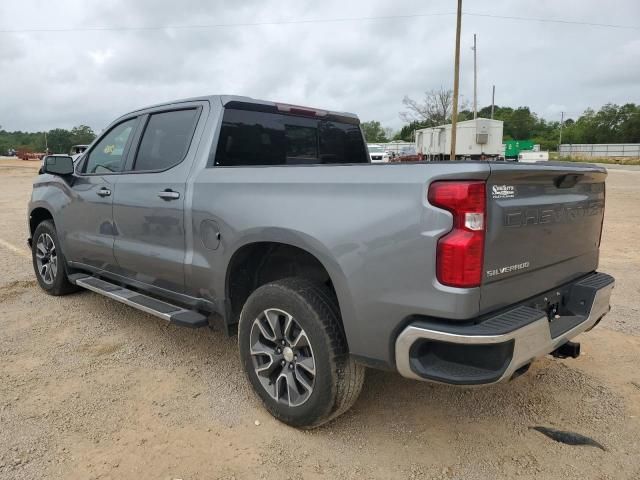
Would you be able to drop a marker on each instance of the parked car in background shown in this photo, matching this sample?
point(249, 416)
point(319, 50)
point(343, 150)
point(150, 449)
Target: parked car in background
point(77, 149)
point(407, 154)
point(378, 154)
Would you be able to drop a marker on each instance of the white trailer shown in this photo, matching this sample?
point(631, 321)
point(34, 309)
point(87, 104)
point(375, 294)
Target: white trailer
point(475, 139)
point(532, 156)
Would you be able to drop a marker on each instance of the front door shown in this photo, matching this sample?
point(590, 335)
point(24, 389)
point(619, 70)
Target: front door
point(148, 208)
point(88, 220)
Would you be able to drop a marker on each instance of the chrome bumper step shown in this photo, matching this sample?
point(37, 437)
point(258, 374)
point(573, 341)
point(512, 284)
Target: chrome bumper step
point(497, 348)
point(159, 308)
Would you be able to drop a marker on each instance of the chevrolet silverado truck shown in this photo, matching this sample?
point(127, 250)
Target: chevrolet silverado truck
point(271, 220)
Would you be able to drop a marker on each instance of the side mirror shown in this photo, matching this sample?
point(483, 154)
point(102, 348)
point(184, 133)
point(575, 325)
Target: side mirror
point(58, 165)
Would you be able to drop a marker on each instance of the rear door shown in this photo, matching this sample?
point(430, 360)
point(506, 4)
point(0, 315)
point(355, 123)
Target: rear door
point(148, 208)
point(543, 228)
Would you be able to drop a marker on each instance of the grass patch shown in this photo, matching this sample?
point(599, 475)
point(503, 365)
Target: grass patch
point(609, 160)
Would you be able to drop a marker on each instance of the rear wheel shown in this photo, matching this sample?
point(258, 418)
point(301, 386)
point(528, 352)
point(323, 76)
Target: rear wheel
point(48, 261)
point(294, 353)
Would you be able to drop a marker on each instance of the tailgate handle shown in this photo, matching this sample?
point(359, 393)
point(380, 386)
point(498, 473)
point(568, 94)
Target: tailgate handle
point(567, 181)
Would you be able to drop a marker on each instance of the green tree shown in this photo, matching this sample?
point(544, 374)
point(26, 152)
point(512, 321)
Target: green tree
point(59, 140)
point(406, 132)
point(373, 132)
point(611, 124)
point(21, 141)
point(520, 124)
point(630, 125)
point(82, 135)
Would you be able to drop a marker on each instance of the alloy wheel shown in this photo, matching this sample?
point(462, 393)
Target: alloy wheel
point(46, 258)
point(282, 357)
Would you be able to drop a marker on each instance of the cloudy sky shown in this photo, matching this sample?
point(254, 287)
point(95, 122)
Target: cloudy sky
point(67, 62)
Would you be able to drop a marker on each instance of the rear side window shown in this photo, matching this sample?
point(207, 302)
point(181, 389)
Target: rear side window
point(166, 139)
point(263, 138)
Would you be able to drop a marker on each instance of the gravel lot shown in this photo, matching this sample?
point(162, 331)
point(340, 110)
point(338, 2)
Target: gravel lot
point(91, 389)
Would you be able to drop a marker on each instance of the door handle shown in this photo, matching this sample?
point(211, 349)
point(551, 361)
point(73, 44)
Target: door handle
point(104, 192)
point(169, 195)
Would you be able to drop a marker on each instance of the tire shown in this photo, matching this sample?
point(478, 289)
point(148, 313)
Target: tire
point(311, 313)
point(49, 264)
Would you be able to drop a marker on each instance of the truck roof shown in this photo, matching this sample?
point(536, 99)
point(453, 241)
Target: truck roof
point(226, 99)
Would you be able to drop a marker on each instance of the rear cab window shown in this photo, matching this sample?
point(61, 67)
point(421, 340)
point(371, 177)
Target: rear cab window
point(260, 138)
point(166, 139)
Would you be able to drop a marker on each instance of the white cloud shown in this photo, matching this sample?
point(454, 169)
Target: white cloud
point(99, 57)
point(52, 79)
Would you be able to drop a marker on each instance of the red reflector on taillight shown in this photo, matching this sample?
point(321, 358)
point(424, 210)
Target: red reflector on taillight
point(460, 253)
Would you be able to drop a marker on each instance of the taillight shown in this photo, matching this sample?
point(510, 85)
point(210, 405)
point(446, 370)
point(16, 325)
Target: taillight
point(460, 252)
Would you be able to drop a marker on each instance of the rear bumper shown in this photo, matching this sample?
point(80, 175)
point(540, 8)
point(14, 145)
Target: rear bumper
point(497, 347)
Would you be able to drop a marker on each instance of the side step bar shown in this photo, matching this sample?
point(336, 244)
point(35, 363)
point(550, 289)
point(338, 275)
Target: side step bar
point(159, 308)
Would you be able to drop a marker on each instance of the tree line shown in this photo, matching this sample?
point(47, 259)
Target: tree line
point(610, 124)
point(58, 140)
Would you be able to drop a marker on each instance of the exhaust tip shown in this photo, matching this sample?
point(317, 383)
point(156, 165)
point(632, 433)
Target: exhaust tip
point(567, 350)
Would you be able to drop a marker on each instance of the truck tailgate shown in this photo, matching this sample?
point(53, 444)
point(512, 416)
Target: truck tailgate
point(543, 228)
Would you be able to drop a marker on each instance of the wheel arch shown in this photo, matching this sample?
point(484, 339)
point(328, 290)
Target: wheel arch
point(38, 215)
point(260, 261)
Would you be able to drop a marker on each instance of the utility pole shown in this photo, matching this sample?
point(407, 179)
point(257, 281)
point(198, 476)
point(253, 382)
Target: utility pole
point(493, 100)
point(475, 79)
point(561, 123)
point(456, 82)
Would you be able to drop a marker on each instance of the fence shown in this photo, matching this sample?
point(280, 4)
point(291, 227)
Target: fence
point(600, 149)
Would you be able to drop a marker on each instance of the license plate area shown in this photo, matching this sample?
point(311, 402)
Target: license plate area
point(555, 303)
point(569, 305)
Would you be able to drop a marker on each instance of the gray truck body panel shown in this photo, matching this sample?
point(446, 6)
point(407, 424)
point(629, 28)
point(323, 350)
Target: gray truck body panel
point(369, 225)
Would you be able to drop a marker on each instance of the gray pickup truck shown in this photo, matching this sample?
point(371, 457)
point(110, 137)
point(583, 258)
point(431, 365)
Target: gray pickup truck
point(271, 220)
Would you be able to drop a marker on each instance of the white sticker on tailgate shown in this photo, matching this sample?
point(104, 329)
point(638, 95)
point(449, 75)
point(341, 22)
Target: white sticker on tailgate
point(503, 191)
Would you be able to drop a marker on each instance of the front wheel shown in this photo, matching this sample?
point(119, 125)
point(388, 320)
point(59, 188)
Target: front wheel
point(294, 353)
point(48, 261)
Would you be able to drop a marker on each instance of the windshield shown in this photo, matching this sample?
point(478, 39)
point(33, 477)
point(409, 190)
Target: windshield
point(375, 149)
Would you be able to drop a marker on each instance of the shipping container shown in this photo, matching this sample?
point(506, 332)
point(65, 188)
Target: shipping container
point(512, 148)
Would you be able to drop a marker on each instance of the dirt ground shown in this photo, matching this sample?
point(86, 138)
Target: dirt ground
point(90, 388)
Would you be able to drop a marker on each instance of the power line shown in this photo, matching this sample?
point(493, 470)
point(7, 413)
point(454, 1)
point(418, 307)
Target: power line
point(552, 20)
point(311, 21)
point(225, 25)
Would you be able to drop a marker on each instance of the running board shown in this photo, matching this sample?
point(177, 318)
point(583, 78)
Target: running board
point(166, 311)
